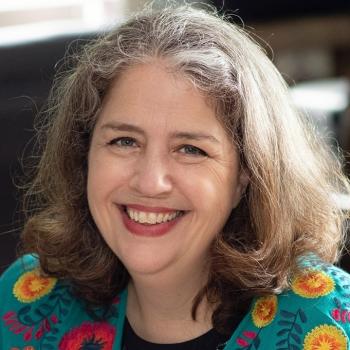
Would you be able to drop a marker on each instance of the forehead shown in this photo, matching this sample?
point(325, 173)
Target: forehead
point(150, 93)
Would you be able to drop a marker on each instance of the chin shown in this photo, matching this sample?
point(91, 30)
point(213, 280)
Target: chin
point(145, 269)
point(146, 264)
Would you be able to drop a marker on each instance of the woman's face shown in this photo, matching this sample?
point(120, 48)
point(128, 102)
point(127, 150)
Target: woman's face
point(163, 175)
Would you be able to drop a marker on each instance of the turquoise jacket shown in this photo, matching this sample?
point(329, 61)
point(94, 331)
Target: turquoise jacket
point(41, 313)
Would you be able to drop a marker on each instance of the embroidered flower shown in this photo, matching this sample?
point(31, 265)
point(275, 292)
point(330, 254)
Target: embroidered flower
point(325, 337)
point(312, 284)
point(98, 336)
point(31, 286)
point(264, 311)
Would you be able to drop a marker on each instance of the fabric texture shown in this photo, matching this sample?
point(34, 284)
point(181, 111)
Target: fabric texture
point(41, 313)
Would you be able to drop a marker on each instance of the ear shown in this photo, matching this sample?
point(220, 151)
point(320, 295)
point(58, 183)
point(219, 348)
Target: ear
point(241, 186)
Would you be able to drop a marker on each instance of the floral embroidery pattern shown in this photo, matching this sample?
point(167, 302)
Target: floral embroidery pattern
point(97, 336)
point(249, 340)
point(39, 321)
point(290, 334)
point(312, 284)
point(325, 337)
point(31, 286)
point(264, 311)
point(29, 330)
point(340, 313)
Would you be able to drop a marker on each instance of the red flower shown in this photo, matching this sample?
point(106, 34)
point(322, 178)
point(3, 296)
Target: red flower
point(99, 336)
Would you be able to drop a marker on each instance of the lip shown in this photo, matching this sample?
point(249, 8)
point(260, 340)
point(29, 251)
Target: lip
point(144, 230)
point(150, 209)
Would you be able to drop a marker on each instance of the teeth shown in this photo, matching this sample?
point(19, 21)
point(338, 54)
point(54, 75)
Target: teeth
point(159, 218)
point(151, 218)
point(142, 217)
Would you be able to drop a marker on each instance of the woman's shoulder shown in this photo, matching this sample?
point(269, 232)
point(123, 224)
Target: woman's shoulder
point(42, 311)
point(17, 268)
point(313, 314)
point(24, 283)
point(320, 288)
point(28, 298)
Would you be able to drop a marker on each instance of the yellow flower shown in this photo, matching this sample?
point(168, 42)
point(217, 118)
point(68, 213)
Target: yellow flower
point(312, 284)
point(31, 286)
point(264, 311)
point(325, 337)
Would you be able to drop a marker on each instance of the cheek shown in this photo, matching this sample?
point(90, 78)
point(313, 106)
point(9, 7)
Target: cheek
point(223, 180)
point(210, 189)
point(104, 174)
point(98, 179)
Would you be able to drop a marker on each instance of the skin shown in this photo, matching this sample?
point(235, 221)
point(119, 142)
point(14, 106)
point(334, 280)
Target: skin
point(161, 165)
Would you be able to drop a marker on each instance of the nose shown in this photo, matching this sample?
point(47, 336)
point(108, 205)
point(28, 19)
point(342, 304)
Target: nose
point(151, 176)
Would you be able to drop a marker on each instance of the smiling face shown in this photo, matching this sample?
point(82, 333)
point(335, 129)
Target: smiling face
point(163, 175)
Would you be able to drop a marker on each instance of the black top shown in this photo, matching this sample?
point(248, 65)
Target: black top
point(212, 340)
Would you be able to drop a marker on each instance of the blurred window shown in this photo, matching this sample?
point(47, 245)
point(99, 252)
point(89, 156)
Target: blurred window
point(25, 20)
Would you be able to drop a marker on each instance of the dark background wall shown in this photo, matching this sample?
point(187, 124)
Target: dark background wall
point(26, 75)
point(270, 10)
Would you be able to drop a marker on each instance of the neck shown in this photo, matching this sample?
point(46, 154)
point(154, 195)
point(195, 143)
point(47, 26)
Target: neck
point(160, 307)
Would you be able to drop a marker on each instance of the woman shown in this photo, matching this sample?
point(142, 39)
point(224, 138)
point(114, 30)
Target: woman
point(179, 202)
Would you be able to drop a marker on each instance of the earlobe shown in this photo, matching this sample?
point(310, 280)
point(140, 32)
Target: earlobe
point(242, 184)
point(244, 180)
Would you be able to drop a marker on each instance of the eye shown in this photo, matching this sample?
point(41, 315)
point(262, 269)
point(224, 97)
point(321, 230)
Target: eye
point(192, 151)
point(123, 142)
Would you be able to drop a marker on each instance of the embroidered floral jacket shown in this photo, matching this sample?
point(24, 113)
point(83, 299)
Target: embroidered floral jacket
point(41, 313)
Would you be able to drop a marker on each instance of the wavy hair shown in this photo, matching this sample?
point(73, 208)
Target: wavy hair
point(288, 210)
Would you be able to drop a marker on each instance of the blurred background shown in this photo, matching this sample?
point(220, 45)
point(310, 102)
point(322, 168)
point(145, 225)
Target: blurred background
point(309, 41)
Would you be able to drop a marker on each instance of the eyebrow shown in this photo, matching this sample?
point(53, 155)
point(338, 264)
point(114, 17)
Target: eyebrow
point(196, 136)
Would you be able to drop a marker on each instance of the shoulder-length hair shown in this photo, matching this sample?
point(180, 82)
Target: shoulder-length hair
point(288, 210)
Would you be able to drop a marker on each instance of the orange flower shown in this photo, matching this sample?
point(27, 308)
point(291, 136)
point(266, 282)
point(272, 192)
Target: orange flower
point(88, 335)
point(31, 286)
point(264, 311)
point(325, 337)
point(312, 284)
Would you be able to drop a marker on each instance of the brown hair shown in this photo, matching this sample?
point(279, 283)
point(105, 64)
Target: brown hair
point(288, 210)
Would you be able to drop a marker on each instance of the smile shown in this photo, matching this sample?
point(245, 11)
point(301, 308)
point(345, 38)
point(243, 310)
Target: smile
point(150, 222)
point(151, 218)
